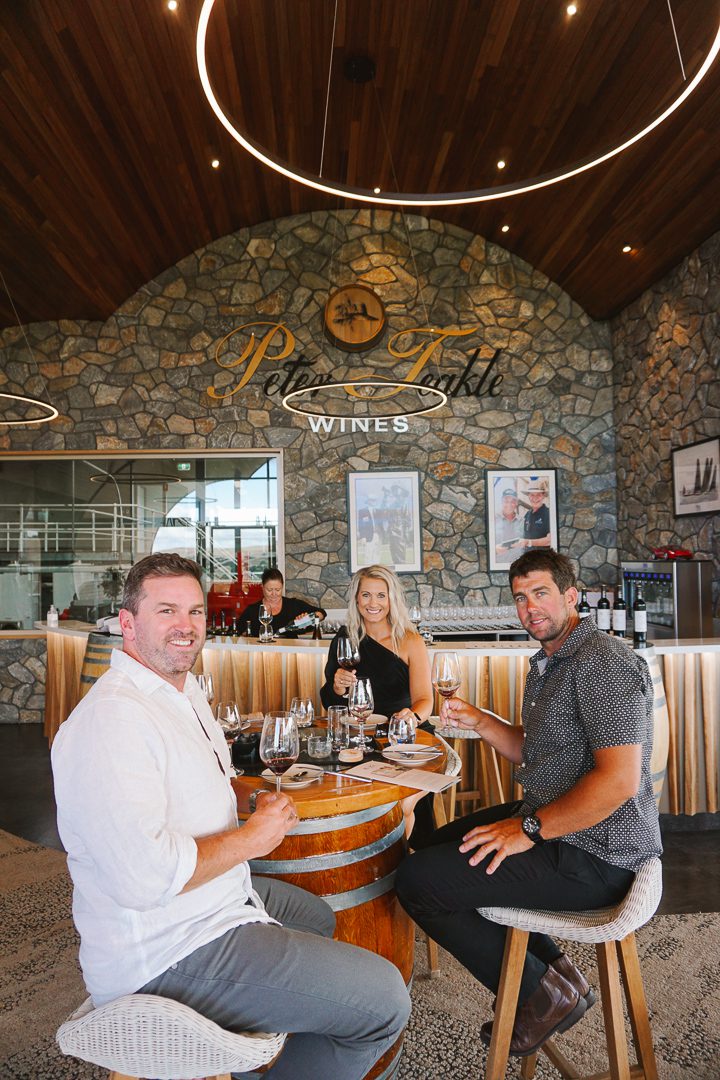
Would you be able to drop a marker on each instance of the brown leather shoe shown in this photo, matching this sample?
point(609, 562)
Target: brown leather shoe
point(554, 1007)
point(575, 977)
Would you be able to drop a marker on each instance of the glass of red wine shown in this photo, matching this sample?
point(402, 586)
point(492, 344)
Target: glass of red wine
point(360, 706)
point(279, 743)
point(446, 673)
point(348, 655)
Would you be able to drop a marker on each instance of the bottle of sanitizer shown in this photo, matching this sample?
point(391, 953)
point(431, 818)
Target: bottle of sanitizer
point(52, 616)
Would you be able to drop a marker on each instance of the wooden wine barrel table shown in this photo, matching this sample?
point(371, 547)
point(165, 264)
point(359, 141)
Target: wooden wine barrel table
point(346, 848)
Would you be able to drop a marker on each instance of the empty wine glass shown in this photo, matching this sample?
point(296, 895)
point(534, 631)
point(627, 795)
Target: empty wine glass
point(205, 682)
point(279, 743)
point(446, 673)
point(401, 730)
point(360, 705)
point(415, 615)
point(303, 710)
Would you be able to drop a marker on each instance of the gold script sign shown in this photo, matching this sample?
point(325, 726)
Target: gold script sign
point(278, 342)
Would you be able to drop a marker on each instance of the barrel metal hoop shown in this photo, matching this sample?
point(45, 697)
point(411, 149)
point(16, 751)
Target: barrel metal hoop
point(344, 900)
point(336, 859)
point(342, 821)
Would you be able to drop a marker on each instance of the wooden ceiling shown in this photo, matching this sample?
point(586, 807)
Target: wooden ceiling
point(107, 137)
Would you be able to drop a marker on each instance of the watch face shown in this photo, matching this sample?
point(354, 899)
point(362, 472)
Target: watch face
point(531, 825)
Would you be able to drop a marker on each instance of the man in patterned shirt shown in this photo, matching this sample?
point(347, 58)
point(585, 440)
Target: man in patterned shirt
point(586, 822)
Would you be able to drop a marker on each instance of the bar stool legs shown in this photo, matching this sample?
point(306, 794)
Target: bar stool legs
point(617, 961)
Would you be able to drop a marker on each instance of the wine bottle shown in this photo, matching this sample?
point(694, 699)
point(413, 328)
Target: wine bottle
point(602, 614)
point(583, 606)
point(639, 619)
point(223, 627)
point(619, 612)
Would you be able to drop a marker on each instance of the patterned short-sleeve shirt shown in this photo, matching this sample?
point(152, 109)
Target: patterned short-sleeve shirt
point(594, 692)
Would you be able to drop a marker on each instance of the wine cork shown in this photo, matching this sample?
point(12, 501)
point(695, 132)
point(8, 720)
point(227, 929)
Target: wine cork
point(350, 754)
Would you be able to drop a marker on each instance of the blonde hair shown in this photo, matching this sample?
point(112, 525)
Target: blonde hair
point(398, 616)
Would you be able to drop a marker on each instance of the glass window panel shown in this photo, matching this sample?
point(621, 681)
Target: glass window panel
point(70, 528)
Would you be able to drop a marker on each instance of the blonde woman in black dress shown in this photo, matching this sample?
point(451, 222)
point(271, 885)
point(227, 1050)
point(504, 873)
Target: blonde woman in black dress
point(392, 655)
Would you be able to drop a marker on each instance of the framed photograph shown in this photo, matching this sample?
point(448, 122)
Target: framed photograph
point(695, 478)
point(384, 520)
point(522, 513)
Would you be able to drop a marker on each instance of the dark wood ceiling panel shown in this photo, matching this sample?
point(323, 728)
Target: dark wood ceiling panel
point(105, 178)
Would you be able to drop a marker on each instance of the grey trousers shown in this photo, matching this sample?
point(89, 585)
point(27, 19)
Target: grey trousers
point(344, 1005)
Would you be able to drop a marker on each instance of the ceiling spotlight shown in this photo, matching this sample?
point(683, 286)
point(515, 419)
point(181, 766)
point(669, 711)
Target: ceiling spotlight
point(501, 164)
point(505, 228)
point(172, 5)
point(571, 9)
point(376, 190)
point(215, 163)
point(627, 249)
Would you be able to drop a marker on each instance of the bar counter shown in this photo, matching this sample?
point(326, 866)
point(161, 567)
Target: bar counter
point(260, 676)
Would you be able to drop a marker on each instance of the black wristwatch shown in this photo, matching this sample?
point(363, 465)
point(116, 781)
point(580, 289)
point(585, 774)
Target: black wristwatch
point(531, 826)
point(252, 800)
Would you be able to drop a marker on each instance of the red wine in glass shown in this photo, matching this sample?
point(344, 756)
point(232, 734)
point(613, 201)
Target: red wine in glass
point(348, 656)
point(279, 743)
point(280, 764)
point(446, 674)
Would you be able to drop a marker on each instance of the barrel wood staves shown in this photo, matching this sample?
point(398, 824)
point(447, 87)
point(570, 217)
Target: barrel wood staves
point(97, 658)
point(350, 858)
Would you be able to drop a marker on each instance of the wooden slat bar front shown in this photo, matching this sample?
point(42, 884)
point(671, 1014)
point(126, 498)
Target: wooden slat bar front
point(260, 677)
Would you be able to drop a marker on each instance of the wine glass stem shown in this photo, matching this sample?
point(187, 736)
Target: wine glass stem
point(277, 783)
point(361, 737)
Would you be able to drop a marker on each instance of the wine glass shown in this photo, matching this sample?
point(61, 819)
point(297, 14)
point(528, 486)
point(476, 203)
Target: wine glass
point(360, 705)
point(228, 717)
point(279, 743)
point(446, 673)
point(348, 654)
point(205, 682)
point(401, 730)
point(303, 710)
point(265, 617)
point(415, 616)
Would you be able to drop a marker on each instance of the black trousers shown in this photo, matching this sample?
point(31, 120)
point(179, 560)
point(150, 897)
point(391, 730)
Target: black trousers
point(441, 891)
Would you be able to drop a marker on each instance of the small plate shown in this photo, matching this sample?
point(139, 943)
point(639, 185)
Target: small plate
point(297, 776)
point(372, 721)
point(411, 754)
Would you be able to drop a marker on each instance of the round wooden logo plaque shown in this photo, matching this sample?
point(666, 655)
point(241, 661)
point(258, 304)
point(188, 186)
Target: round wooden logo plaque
point(354, 318)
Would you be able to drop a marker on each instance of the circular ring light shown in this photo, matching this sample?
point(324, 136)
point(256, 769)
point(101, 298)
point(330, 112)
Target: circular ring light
point(413, 199)
point(361, 383)
point(52, 411)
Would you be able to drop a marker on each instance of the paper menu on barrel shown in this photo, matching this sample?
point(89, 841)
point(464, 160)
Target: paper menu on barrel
point(387, 773)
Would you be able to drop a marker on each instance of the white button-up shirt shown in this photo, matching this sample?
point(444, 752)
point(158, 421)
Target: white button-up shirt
point(140, 770)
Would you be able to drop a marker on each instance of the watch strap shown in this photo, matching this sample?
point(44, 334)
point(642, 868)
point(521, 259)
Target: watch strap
point(253, 798)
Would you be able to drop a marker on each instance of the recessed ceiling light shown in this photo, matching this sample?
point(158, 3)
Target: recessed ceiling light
point(627, 249)
point(501, 164)
point(172, 5)
point(505, 228)
point(571, 9)
point(376, 190)
point(215, 163)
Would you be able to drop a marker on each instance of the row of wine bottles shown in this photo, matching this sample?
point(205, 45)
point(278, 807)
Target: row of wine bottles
point(615, 619)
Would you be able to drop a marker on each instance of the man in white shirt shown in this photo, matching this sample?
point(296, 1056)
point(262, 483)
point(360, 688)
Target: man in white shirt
point(163, 899)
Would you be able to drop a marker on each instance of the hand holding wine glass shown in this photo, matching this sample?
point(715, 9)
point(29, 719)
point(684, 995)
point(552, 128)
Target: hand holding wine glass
point(279, 743)
point(360, 705)
point(348, 658)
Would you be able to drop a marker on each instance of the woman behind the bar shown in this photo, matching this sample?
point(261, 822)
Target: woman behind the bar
point(392, 655)
point(285, 610)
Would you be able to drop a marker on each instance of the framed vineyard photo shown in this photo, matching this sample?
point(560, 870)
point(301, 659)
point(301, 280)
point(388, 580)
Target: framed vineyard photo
point(695, 478)
point(522, 513)
point(384, 520)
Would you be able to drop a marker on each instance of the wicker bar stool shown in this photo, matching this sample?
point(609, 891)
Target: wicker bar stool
point(142, 1035)
point(612, 931)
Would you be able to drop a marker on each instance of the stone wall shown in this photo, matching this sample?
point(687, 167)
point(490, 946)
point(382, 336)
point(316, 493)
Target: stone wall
point(23, 664)
point(666, 348)
point(139, 382)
